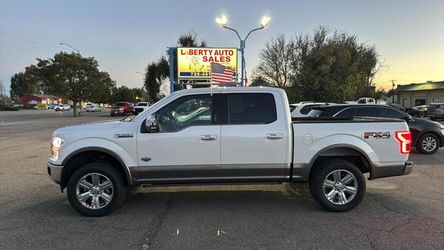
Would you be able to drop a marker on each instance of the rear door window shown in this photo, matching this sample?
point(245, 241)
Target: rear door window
point(251, 108)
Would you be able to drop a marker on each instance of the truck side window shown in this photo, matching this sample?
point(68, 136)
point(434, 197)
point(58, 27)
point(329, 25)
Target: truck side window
point(251, 108)
point(187, 111)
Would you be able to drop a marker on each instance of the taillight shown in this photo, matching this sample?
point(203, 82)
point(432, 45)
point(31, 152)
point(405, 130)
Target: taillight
point(405, 141)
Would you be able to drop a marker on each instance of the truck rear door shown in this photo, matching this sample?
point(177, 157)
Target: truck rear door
point(255, 138)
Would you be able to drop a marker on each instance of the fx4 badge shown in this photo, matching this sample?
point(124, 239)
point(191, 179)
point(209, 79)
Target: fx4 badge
point(377, 135)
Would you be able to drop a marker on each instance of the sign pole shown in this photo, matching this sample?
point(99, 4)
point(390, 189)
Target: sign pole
point(171, 62)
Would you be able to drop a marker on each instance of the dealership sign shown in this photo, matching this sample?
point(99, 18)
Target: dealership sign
point(195, 63)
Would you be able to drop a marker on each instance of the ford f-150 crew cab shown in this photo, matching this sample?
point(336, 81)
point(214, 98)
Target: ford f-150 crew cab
point(220, 135)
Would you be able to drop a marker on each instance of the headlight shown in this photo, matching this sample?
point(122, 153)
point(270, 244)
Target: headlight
point(56, 144)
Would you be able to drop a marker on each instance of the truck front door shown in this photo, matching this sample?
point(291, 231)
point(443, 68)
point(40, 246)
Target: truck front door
point(187, 145)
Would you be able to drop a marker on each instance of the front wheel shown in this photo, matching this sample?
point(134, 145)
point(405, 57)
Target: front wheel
point(96, 189)
point(337, 185)
point(428, 144)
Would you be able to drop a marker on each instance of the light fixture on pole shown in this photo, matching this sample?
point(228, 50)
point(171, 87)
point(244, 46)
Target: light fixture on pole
point(223, 21)
point(69, 45)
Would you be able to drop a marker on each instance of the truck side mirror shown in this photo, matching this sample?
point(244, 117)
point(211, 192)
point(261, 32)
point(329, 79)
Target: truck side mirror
point(151, 124)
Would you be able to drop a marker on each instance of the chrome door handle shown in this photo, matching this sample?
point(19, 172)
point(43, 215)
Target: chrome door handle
point(274, 136)
point(208, 137)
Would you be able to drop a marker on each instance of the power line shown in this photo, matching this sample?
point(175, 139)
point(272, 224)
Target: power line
point(30, 40)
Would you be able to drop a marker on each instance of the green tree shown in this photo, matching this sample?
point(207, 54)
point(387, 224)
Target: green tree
point(276, 62)
point(125, 94)
point(75, 76)
point(152, 84)
point(324, 66)
point(21, 85)
point(71, 76)
point(100, 91)
point(122, 94)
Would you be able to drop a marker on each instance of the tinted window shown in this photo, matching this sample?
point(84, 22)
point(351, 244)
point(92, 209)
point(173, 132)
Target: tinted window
point(257, 108)
point(142, 104)
point(348, 112)
point(306, 109)
point(368, 111)
point(390, 113)
point(187, 111)
point(315, 113)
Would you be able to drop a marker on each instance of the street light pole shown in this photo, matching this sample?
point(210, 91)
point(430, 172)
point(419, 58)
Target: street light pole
point(223, 22)
point(72, 47)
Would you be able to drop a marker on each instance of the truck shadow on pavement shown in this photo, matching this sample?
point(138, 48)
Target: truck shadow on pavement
point(238, 216)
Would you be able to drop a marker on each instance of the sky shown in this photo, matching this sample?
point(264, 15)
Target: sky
point(124, 36)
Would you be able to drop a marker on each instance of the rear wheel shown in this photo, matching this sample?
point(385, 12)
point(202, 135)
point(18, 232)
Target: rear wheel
point(428, 144)
point(337, 185)
point(96, 189)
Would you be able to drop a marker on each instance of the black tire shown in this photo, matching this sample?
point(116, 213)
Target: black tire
point(422, 148)
point(119, 189)
point(328, 167)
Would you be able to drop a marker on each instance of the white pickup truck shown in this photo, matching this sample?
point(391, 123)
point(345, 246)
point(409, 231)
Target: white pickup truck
point(220, 135)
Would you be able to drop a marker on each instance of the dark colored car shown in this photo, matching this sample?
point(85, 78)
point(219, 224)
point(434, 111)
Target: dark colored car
point(122, 108)
point(436, 111)
point(417, 111)
point(427, 136)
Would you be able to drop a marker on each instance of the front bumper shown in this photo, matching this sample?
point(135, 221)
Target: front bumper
point(55, 172)
point(381, 171)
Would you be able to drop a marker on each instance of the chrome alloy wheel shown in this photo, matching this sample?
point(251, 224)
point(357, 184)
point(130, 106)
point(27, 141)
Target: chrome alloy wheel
point(94, 191)
point(340, 186)
point(429, 144)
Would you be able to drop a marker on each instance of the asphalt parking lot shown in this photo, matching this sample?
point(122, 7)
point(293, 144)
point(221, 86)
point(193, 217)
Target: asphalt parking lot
point(404, 212)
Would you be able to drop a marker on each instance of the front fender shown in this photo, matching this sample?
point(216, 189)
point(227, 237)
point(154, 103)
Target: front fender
point(82, 145)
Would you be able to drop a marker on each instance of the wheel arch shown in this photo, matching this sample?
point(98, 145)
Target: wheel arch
point(440, 137)
point(85, 155)
point(349, 153)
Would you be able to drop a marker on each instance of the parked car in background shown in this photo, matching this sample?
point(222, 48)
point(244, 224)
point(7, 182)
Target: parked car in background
point(366, 100)
point(302, 109)
point(397, 106)
point(436, 111)
point(93, 108)
point(140, 107)
point(52, 106)
point(62, 107)
point(122, 108)
point(417, 111)
point(427, 136)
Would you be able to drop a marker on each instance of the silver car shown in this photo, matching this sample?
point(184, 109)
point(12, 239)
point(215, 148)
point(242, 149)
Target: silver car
point(436, 111)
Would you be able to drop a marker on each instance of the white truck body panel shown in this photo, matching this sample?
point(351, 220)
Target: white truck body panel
point(282, 150)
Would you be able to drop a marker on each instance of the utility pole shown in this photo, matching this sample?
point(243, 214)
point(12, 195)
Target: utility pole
point(393, 90)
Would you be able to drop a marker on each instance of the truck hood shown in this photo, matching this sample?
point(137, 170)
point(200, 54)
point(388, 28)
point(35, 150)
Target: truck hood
point(88, 127)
